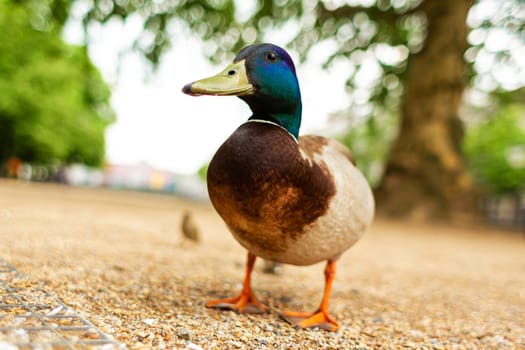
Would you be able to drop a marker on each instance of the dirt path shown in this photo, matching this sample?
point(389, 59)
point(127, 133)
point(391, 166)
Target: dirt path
point(119, 260)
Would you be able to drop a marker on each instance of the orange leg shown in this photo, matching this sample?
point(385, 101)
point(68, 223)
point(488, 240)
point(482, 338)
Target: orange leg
point(319, 318)
point(245, 303)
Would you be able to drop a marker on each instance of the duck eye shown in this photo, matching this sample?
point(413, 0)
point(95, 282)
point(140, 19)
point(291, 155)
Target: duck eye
point(232, 72)
point(271, 56)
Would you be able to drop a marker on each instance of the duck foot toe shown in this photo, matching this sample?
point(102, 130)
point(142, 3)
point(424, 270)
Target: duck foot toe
point(303, 320)
point(242, 304)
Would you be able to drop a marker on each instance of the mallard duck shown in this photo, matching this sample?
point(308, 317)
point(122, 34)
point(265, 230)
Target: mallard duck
point(285, 198)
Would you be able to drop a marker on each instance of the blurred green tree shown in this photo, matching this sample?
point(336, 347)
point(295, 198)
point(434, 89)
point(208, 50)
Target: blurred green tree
point(203, 172)
point(407, 58)
point(495, 146)
point(54, 105)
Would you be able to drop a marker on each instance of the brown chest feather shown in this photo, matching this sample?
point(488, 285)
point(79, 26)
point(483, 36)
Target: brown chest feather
point(259, 181)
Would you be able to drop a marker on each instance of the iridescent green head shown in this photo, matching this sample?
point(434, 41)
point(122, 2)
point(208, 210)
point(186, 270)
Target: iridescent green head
point(264, 77)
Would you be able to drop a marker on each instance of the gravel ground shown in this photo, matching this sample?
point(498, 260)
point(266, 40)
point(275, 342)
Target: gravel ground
point(120, 260)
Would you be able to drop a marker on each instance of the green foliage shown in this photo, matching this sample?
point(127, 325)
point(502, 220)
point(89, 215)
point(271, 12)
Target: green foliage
point(495, 150)
point(54, 105)
point(203, 172)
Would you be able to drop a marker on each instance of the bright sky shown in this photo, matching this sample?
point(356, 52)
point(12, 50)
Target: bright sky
point(159, 125)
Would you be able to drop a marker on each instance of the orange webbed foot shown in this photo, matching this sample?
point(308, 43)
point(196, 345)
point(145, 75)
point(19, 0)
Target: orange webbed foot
point(245, 303)
point(302, 320)
point(320, 318)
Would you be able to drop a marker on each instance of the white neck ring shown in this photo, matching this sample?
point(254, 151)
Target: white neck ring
point(275, 124)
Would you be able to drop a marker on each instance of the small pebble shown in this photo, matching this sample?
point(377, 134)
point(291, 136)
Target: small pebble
point(192, 346)
point(150, 321)
point(185, 334)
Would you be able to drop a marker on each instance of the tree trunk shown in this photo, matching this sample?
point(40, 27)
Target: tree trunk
point(425, 175)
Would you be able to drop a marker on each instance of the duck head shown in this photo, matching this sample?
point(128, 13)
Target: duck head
point(264, 77)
